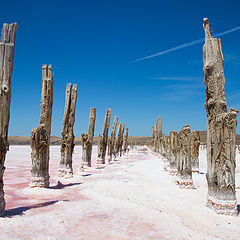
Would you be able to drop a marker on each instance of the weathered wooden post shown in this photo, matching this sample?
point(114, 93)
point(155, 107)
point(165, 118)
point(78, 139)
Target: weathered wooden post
point(67, 141)
point(102, 141)
point(153, 138)
point(185, 167)
point(40, 139)
point(125, 141)
point(168, 153)
point(87, 140)
point(159, 134)
point(195, 143)
point(174, 145)
point(121, 139)
point(163, 145)
point(118, 140)
point(221, 127)
point(111, 141)
point(7, 47)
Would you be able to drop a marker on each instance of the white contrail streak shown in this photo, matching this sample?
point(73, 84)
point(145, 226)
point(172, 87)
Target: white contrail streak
point(185, 45)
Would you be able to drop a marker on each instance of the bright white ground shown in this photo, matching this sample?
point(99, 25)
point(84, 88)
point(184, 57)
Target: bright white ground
point(131, 199)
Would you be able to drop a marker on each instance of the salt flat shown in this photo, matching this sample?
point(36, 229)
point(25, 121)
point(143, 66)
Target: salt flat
point(133, 198)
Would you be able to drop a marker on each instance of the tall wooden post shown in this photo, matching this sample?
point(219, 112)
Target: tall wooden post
point(104, 139)
point(185, 166)
point(118, 140)
point(41, 134)
point(159, 134)
point(7, 47)
point(111, 141)
point(67, 142)
point(195, 143)
point(168, 153)
point(221, 128)
point(121, 139)
point(163, 145)
point(87, 140)
point(153, 138)
point(175, 148)
point(125, 141)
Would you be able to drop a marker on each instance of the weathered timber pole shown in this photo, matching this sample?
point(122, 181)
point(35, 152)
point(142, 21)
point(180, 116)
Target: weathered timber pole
point(111, 141)
point(67, 141)
point(195, 143)
point(163, 145)
point(102, 144)
point(168, 147)
point(118, 140)
point(125, 141)
point(7, 47)
point(221, 127)
point(121, 139)
point(175, 147)
point(153, 137)
point(40, 154)
point(185, 166)
point(159, 134)
point(87, 140)
point(166, 140)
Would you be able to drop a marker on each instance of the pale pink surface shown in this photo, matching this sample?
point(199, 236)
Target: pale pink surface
point(133, 198)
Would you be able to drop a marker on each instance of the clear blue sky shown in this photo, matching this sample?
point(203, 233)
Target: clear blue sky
point(92, 42)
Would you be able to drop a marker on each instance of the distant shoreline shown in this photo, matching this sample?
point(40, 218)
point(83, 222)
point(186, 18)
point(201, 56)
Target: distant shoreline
point(55, 141)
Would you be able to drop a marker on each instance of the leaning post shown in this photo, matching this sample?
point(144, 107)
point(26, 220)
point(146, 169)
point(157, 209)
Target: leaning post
point(7, 47)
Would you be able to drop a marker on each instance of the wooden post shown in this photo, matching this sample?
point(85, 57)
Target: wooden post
point(67, 141)
point(7, 47)
point(221, 128)
point(87, 140)
point(118, 140)
point(159, 134)
point(153, 137)
point(175, 147)
point(40, 162)
point(163, 145)
point(125, 141)
point(195, 143)
point(111, 141)
point(168, 147)
point(102, 145)
point(185, 166)
point(121, 139)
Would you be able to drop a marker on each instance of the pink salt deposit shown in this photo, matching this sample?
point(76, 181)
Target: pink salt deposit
point(132, 198)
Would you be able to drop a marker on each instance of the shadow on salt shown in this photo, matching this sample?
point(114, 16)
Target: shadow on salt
point(59, 185)
point(20, 210)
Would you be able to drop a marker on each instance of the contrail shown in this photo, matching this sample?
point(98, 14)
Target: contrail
point(185, 45)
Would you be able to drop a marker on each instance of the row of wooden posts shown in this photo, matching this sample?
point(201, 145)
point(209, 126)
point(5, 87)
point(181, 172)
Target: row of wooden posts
point(40, 140)
point(40, 135)
point(180, 149)
point(221, 136)
point(221, 126)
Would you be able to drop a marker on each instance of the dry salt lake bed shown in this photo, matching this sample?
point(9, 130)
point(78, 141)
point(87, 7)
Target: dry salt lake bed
point(133, 198)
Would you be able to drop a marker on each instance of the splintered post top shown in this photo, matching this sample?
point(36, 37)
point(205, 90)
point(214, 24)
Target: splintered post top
point(207, 28)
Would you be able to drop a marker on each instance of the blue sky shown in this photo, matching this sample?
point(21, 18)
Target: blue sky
point(92, 43)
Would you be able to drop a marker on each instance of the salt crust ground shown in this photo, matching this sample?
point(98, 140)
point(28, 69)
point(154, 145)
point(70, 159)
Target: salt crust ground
point(133, 198)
